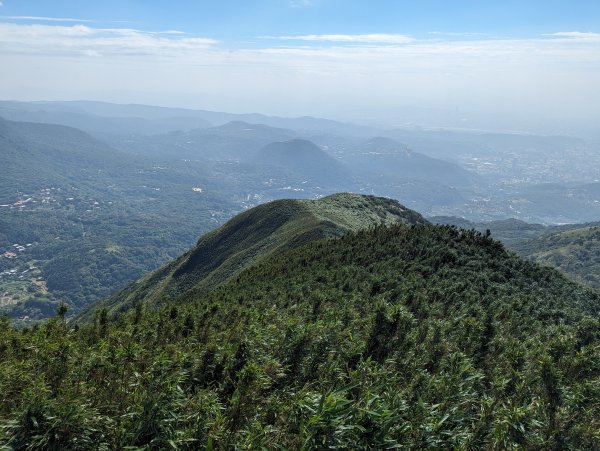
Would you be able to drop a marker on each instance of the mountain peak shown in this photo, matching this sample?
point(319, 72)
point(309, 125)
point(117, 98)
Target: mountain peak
point(306, 158)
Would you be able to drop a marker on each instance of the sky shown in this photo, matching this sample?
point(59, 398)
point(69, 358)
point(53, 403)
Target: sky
point(526, 65)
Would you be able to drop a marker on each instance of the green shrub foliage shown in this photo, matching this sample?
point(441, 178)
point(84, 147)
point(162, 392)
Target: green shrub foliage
point(416, 336)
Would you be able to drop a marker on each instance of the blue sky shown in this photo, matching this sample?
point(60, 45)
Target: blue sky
point(368, 61)
point(237, 22)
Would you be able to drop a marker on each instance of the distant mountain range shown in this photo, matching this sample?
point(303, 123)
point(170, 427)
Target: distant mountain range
point(233, 141)
point(120, 118)
point(71, 186)
point(170, 174)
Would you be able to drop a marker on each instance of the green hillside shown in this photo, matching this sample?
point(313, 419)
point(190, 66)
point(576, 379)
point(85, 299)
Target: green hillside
point(35, 156)
point(574, 249)
point(401, 336)
point(84, 220)
point(575, 252)
point(255, 234)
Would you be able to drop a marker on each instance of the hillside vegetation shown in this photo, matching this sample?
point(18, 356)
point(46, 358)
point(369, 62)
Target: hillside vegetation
point(255, 234)
point(574, 249)
point(415, 336)
point(84, 220)
point(36, 156)
point(90, 220)
point(575, 252)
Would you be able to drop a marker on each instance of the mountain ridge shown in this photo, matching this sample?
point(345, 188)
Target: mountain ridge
point(401, 335)
point(156, 113)
point(253, 235)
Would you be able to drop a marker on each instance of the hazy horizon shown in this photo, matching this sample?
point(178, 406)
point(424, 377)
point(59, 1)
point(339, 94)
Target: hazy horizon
point(528, 66)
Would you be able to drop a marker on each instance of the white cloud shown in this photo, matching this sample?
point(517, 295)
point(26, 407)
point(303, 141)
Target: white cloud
point(85, 40)
point(576, 35)
point(458, 34)
point(374, 38)
point(44, 19)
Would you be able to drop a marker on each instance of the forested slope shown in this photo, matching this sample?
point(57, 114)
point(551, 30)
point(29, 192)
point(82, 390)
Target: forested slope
point(573, 249)
point(414, 336)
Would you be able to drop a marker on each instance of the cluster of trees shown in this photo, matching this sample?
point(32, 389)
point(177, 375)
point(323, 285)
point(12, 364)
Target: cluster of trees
point(574, 249)
point(417, 336)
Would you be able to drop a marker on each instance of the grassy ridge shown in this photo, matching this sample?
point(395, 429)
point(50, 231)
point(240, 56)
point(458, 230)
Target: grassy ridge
point(256, 234)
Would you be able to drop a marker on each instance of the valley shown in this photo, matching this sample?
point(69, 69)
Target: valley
point(101, 209)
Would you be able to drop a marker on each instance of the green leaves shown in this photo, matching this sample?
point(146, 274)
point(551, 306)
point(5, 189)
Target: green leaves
point(376, 340)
